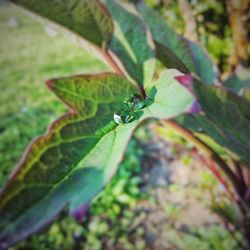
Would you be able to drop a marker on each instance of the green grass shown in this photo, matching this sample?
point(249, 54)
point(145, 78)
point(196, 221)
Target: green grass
point(28, 56)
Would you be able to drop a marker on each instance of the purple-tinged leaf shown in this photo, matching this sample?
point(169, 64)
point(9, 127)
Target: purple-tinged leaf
point(185, 80)
point(195, 108)
point(80, 212)
point(226, 119)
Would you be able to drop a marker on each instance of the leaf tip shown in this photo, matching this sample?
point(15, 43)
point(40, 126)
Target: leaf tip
point(51, 84)
point(80, 212)
point(195, 108)
point(185, 80)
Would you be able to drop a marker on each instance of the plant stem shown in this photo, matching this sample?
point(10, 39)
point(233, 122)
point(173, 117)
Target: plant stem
point(207, 150)
point(143, 93)
point(111, 62)
point(239, 169)
point(213, 168)
point(237, 182)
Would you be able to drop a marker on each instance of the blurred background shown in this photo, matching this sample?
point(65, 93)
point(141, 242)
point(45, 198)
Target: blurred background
point(163, 195)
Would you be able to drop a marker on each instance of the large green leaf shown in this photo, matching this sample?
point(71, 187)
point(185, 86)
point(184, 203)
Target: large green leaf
point(226, 119)
point(175, 51)
point(132, 43)
point(81, 151)
point(89, 19)
point(73, 161)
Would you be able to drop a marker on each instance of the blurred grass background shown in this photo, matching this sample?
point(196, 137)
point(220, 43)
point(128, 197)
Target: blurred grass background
point(30, 54)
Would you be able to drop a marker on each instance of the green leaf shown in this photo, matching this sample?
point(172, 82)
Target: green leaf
point(81, 150)
point(169, 98)
point(227, 118)
point(89, 19)
point(70, 164)
point(132, 43)
point(204, 66)
point(205, 130)
point(174, 51)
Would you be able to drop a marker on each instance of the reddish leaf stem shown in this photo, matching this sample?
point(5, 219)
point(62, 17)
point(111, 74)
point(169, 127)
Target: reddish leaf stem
point(111, 62)
point(207, 150)
point(213, 168)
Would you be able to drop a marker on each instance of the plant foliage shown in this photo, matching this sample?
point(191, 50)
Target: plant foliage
point(67, 167)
